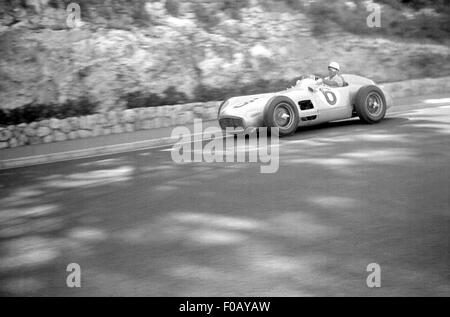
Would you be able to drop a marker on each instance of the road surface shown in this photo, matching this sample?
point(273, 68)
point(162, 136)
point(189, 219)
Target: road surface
point(346, 195)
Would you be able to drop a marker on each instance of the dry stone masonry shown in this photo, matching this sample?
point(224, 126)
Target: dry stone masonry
point(112, 122)
point(125, 121)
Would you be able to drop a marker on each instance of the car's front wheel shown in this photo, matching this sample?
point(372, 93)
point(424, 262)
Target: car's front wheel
point(370, 104)
point(281, 113)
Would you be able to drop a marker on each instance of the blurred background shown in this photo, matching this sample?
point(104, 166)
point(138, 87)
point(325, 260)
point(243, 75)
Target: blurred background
point(140, 224)
point(147, 53)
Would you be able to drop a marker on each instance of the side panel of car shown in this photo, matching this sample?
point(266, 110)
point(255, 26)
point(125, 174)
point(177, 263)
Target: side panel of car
point(334, 103)
point(326, 104)
point(308, 112)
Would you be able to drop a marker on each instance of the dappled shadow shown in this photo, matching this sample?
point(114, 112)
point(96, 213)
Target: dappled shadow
point(346, 195)
point(42, 222)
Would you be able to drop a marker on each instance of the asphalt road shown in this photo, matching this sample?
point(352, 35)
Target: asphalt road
point(345, 195)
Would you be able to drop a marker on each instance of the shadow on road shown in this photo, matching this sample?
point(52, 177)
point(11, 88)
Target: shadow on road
point(346, 195)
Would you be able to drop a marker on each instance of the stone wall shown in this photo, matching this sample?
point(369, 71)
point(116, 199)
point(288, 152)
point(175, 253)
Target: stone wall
point(112, 122)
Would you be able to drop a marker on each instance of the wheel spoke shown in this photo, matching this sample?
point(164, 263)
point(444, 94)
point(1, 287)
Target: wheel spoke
point(374, 104)
point(282, 115)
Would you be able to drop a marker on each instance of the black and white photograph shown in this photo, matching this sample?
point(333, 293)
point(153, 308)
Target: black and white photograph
point(224, 153)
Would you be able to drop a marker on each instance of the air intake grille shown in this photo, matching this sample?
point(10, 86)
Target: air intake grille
point(231, 122)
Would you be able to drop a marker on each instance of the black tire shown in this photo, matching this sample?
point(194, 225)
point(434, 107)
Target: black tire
point(370, 104)
point(285, 105)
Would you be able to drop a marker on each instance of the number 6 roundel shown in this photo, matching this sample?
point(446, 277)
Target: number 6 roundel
point(329, 96)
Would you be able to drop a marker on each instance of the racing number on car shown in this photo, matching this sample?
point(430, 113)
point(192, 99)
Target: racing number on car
point(329, 96)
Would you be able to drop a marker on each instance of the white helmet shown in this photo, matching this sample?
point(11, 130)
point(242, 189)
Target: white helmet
point(334, 65)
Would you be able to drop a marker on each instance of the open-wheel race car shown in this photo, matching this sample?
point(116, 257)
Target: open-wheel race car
point(307, 103)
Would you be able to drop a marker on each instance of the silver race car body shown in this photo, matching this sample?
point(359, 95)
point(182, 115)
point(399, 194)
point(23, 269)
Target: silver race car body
point(307, 103)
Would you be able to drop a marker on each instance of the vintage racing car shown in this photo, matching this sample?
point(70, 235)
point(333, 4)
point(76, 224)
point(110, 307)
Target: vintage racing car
point(307, 103)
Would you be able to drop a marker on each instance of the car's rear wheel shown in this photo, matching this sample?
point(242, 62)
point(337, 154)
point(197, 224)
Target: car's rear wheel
point(281, 113)
point(370, 104)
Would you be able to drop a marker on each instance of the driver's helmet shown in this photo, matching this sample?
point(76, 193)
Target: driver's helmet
point(334, 65)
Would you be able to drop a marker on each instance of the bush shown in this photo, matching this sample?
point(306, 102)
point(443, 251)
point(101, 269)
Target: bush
point(170, 96)
point(173, 7)
point(205, 16)
point(142, 100)
point(116, 13)
point(204, 93)
point(416, 4)
point(36, 112)
point(233, 8)
point(326, 15)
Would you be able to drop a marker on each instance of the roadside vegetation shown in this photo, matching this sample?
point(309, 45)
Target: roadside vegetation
point(413, 19)
point(36, 112)
point(126, 54)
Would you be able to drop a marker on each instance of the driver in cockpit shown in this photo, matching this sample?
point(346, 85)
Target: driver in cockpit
point(333, 79)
